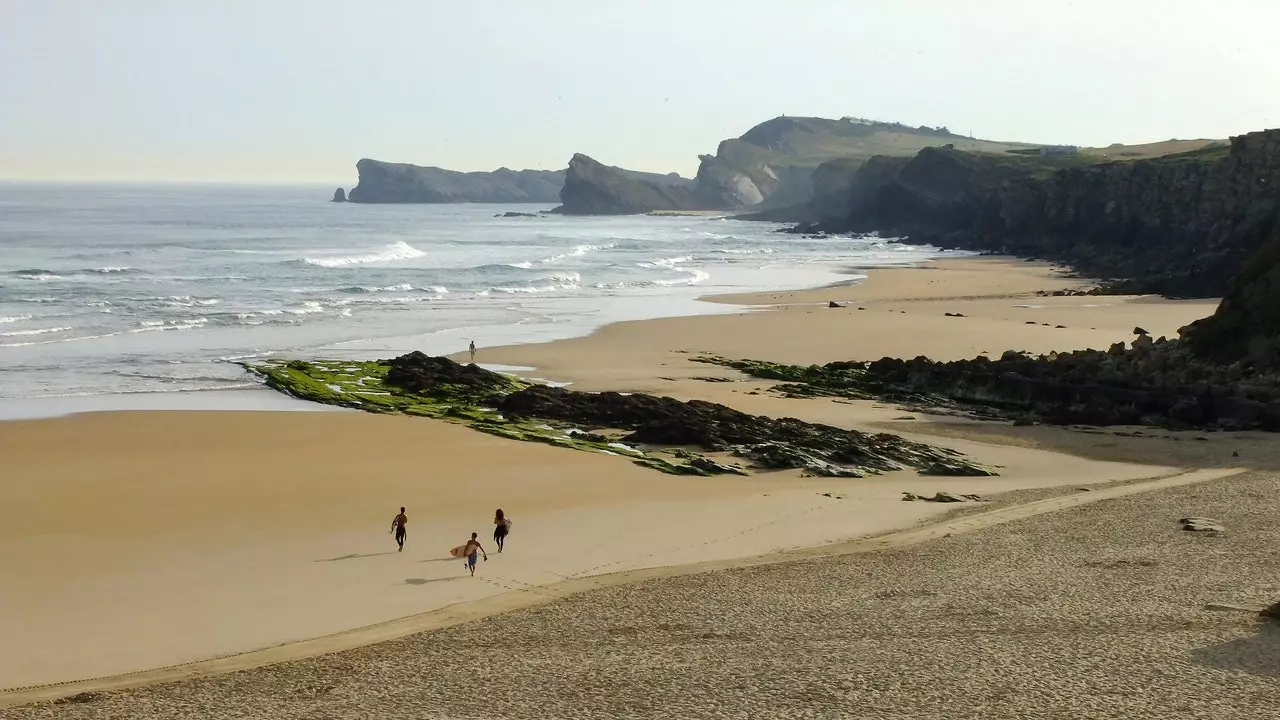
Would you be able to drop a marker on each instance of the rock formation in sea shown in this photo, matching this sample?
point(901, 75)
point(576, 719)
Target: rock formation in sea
point(593, 188)
point(1180, 225)
point(339, 195)
point(384, 182)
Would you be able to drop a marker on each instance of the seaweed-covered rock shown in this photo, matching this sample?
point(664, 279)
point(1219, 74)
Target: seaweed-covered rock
point(418, 372)
point(422, 385)
point(774, 443)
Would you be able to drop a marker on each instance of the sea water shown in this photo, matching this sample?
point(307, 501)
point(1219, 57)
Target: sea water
point(122, 289)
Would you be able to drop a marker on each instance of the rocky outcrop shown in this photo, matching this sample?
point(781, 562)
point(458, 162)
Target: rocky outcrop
point(383, 182)
point(1152, 382)
point(657, 432)
point(339, 195)
point(593, 188)
point(1246, 326)
point(1179, 225)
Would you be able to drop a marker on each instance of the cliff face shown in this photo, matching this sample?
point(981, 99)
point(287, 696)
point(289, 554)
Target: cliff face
point(771, 165)
point(383, 182)
point(1180, 225)
point(592, 188)
point(1246, 325)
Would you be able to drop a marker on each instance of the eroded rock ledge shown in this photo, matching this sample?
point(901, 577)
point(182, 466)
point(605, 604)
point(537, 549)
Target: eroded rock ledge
point(657, 432)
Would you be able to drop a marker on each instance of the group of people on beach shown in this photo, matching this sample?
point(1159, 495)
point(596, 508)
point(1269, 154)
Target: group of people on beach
point(472, 548)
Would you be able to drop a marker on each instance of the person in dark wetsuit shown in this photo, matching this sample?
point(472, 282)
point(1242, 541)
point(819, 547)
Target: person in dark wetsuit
point(397, 526)
point(501, 527)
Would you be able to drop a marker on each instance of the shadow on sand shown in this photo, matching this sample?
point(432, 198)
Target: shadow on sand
point(424, 581)
point(1258, 654)
point(353, 556)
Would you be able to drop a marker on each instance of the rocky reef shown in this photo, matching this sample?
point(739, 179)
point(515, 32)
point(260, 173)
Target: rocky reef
point(1180, 225)
point(384, 182)
point(657, 432)
point(339, 195)
point(593, 188)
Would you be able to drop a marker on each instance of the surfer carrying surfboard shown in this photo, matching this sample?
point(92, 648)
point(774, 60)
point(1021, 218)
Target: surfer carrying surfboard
point(397, 526)
point(472, 547)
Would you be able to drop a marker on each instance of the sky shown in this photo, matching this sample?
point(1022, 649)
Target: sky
point(289, 91)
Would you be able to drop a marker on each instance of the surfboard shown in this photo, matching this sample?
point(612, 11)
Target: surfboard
point(459, 551)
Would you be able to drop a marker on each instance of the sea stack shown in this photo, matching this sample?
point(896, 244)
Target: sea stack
point(339, 195)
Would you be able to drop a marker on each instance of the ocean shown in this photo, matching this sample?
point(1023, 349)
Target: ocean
point(122, 289)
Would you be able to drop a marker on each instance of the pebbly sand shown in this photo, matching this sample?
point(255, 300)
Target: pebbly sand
point(219, 533)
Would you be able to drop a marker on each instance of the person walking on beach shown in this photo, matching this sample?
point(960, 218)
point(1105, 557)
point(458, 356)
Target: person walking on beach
point(473, 351)
point(501, 526)
point(397, 526)
point(472, 547)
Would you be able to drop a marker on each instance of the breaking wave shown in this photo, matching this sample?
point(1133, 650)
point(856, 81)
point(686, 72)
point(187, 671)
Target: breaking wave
point(396, 251)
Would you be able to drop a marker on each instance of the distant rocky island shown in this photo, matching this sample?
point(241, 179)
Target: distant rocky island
point(384, 182)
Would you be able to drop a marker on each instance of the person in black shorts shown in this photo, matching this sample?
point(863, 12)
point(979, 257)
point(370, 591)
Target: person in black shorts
point(501, 526)
point(397, 526)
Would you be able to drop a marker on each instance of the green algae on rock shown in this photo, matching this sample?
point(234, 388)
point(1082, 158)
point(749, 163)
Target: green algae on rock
point(656, 432)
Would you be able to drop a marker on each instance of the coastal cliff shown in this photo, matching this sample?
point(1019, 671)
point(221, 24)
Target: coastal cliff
point(383, 182)
point(769, 166)
point(1180, 225)
point(593, 188)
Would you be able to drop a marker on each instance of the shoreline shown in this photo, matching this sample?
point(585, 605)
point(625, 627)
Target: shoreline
point(122, 575)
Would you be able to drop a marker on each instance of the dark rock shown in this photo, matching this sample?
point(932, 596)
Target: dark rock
point(79, 698)
point(384, 182)
point(1199, 524)
point(941, 497)
point(771, 443)
point(1271, 612)
point(510, 214)
point(1140, 331)
point(592, 188)
point(339, 195)
point(954, 314)
point(834, 304)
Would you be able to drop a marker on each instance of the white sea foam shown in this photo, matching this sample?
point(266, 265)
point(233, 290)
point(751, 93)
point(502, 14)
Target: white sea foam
point(397, 251)
point(666, 263)
point(744, 251)
point(695, 276)
point(307, 308)
point(577, 251)
point(13, 319)
point(60, 340)
point(36, 331)
point(109, 269)
point(552, 283)
point(165, 325)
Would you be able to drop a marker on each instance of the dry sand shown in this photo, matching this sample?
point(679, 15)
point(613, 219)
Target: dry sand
point(171, 537)
point(1089, 613)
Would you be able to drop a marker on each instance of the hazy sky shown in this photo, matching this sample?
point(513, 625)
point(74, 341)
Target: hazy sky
point(284, 90)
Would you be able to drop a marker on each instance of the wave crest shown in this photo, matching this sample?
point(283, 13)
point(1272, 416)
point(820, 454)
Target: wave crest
point(397, 251)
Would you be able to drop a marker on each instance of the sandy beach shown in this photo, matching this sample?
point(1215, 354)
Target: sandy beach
point(169, 538)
